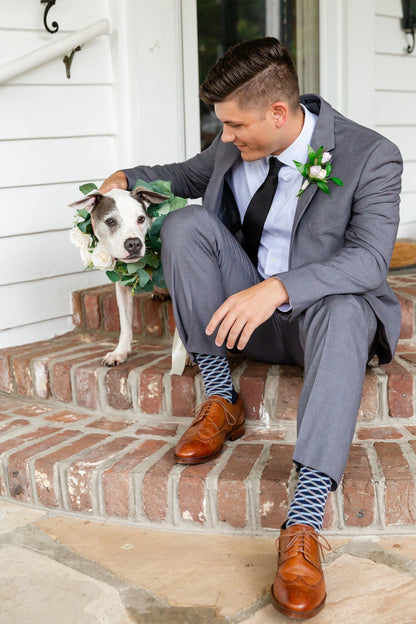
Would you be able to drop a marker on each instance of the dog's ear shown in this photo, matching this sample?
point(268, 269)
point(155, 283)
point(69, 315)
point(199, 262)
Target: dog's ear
point(88, 202)
point(142, 194)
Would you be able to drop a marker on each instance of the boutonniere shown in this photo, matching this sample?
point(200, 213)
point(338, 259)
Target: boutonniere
point(317, 170)
point(147, 272)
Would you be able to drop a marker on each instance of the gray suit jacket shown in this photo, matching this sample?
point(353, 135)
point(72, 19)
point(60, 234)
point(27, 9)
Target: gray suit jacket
point(341, 243)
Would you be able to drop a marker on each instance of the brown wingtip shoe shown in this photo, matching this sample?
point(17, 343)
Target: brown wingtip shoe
point(299, 588)
point(216, 420)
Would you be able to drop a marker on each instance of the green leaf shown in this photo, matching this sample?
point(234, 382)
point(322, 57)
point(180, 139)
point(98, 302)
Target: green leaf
point(311, 155)
point(328, 169)
point(87, 188)
point(144, 277)
point(154, 233)
point(337, 181)
point(303, 169)
point(132, 267)
point(146, 288)
point(128, 280)
point(113, 276)
point(83, 213)
point(323, 186)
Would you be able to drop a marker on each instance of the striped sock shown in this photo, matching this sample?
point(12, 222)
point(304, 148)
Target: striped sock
point(216, 375)
point(308, 505)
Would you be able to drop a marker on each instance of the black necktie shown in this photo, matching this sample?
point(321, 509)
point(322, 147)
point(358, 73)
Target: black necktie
point(258, 209)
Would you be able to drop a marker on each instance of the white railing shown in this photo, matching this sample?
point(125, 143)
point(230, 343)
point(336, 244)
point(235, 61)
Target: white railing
point(52, 50)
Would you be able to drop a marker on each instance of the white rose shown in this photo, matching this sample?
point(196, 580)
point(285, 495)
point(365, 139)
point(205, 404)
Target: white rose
point(317, 173)
point(326, 157)
point(86, 258)
point(79, 239)
point(102, 259)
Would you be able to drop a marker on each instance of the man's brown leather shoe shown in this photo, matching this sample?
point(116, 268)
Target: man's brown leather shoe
point(299, 588)
point(216, 420)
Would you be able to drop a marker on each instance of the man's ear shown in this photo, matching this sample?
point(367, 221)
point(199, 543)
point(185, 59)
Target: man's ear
point(88, 202)
point(143, 195)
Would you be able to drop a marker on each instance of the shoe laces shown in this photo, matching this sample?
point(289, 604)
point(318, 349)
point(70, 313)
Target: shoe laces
point(304, 545)
point(203, 411)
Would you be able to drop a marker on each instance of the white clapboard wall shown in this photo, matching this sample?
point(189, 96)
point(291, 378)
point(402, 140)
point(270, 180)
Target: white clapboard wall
point(55, 133)
point(395, 100)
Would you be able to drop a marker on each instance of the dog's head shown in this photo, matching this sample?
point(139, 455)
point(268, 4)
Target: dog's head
point(120, 220)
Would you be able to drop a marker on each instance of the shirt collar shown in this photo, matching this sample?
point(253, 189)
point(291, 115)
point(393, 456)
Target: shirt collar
point(298, 150)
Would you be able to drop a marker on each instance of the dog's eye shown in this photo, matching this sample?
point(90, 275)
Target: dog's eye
point(141, 219)
point(110, 222)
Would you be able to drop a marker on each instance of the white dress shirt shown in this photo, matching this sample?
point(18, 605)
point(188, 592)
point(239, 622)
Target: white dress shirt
point(245, 179)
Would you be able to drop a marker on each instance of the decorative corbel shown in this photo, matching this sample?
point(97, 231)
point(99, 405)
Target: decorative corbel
point(54, 25)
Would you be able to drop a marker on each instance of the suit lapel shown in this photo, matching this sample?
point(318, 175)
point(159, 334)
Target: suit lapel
point(323, 135)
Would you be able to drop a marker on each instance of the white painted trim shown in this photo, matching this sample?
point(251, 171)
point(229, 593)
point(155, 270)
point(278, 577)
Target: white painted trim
point(52, 50)
point(192, 126)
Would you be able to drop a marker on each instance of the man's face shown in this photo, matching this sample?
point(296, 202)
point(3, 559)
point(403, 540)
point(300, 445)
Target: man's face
point(253, 131)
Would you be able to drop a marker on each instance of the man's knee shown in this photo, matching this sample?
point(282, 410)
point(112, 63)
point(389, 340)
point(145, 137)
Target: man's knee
point(344, 314)
point(180, 225)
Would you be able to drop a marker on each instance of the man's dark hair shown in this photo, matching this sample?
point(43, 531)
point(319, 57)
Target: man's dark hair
point(257, 72)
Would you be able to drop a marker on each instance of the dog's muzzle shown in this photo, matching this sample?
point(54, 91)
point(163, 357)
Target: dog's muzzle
point(133, 246)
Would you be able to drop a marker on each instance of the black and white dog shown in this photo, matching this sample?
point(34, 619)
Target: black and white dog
point(120, 222)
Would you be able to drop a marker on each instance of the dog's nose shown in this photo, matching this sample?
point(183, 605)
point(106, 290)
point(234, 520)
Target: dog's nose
point(133, 245)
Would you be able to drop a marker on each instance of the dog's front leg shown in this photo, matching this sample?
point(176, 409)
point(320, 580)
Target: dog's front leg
point(125, 308)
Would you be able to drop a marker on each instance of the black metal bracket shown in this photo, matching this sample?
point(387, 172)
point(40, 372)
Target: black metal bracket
point(68, 60)
point(411, 46)
point(54, 25)
point(408, 22)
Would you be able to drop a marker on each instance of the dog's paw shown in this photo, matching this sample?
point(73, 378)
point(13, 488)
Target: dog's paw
point(113, 358)
point(160, 294)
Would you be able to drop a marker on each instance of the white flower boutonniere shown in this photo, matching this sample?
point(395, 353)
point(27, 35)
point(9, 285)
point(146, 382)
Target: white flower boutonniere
point(317, 170)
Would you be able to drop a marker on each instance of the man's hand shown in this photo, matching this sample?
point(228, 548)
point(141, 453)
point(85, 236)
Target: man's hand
point(115, 180)
point(243, 312)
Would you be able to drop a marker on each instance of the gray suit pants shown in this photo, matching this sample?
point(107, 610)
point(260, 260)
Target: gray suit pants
point(204, 264)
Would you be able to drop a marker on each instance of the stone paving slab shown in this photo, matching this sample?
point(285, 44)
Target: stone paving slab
point(75, 571)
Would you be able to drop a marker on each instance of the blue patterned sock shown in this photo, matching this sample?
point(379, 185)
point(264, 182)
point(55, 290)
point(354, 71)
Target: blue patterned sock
point(216, 375)
point(308, 505)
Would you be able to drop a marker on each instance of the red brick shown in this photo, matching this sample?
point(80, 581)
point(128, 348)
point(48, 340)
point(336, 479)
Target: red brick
point(290, 387)
point(46, 468)
point(171, 318)
point(232, 488)
point(6, 382)
point(358, 489)
point(400, 391)
point(272, 434)
point(14, 424)
point(86, 385)
point(110, 425)
point(160, 429)
point(111, 313)
point(155, 488)
point(77, 311)
point(66, 416)
point(252, 385)
point(92, 310)
point(26, 437)
point(152, 312)
point(137, 315)
point(369, 406)
point(407, 326)
point(411, 430)
point(379, 433)
point(399, 493)
point(116, 382)
point(183, 392)
point(19, 470)
point(117, 480)
point(409, 357)
point(330, 515)
point(61, 371)
point(31, 410)
point(192, 495)
point(151, 387)
point(274, 485)
point(80, 475)
point(23, 376)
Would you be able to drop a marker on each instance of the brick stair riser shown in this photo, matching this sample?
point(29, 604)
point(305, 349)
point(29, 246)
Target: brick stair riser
point(129, 475)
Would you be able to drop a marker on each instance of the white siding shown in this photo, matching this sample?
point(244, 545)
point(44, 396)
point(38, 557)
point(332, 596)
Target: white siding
point(55, 133)
point(395, 101)
point(367, 74)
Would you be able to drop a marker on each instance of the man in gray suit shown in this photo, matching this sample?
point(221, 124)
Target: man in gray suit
point(285, 263)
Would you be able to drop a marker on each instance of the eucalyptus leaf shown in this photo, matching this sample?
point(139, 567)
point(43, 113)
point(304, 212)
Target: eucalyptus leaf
point(144, 277)
point(132, 267)
point(158, 278)
point(113, 276)
point(87, 188)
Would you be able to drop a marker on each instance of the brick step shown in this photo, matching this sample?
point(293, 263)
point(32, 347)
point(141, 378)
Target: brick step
point(101, 466)
point(79, 437)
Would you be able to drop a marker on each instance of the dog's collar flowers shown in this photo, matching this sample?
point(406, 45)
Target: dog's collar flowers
point(317, 170)
point(147, 272)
